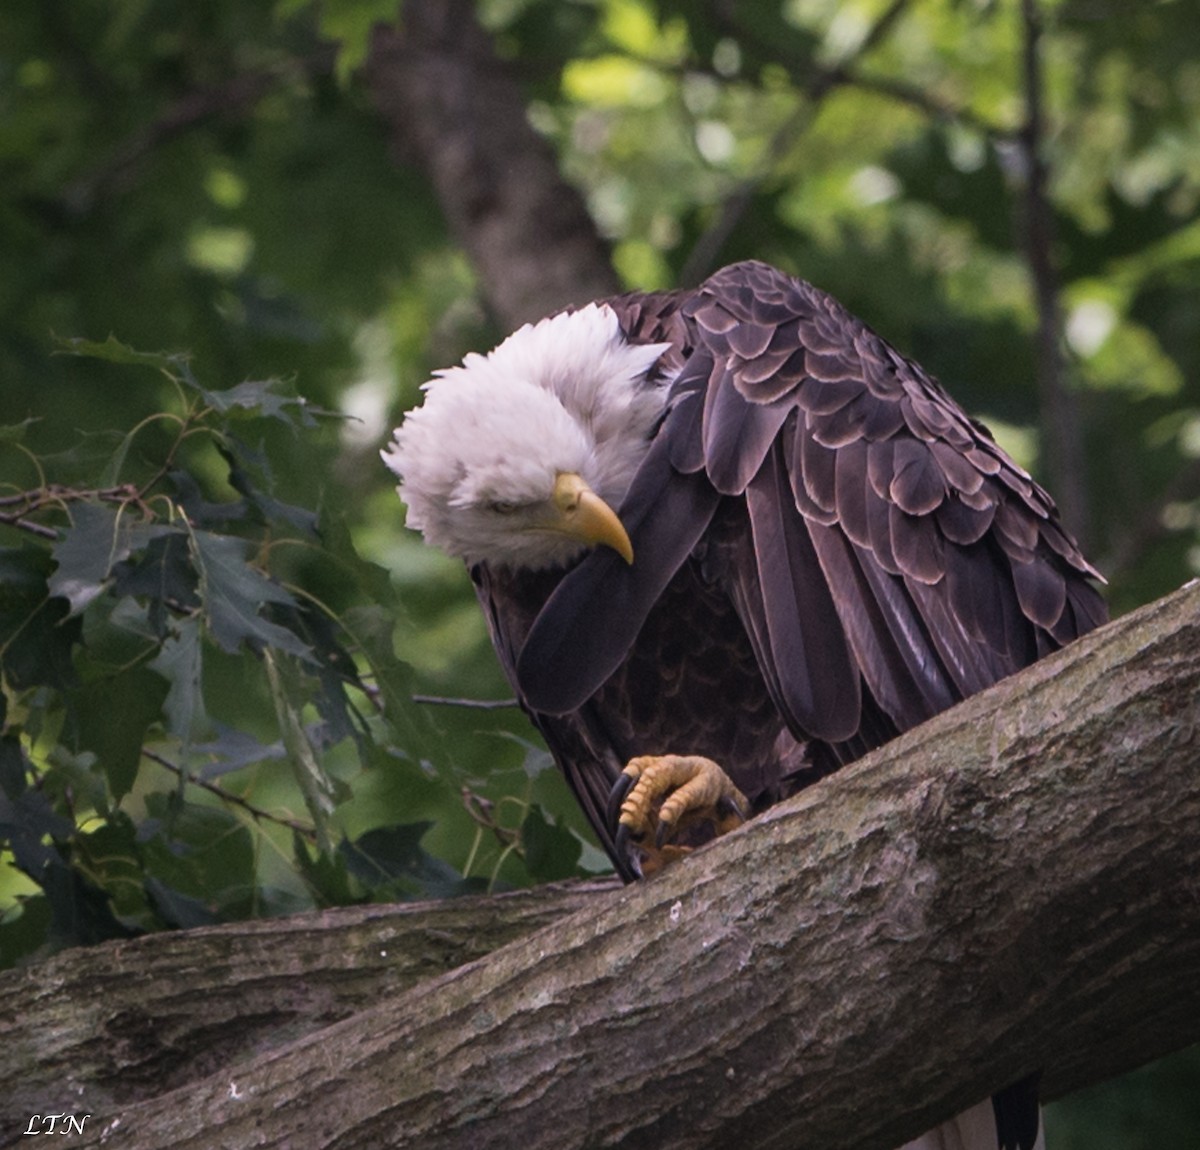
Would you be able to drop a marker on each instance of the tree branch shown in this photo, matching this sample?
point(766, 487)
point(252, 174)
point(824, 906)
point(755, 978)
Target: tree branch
point(819, 84)
point(1012, 885)
point(114, 1024)
point(234, 97)
point(903, 92)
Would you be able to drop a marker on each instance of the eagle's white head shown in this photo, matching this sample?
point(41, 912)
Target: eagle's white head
point(517, 457)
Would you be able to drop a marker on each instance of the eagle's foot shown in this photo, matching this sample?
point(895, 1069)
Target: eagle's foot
point(659, 799)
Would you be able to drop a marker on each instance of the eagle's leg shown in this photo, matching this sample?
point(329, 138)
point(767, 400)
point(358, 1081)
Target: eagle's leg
point(661, 798)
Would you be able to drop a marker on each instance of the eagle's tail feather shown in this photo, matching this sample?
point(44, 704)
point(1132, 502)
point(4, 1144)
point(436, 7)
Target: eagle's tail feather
point(973, 1129)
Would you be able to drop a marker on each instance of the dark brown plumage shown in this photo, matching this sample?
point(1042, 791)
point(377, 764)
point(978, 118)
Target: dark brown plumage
point(829, 551)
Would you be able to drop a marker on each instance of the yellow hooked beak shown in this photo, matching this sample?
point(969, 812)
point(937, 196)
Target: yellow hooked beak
point(586, 517)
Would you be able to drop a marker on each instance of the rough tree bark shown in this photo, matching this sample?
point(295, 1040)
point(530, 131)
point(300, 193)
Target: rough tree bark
point(112, 1025)
point(1014, 884)
point(452, 105)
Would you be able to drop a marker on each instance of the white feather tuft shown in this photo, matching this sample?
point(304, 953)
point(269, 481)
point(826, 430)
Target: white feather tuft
point(566, 394)
point(973, 1129)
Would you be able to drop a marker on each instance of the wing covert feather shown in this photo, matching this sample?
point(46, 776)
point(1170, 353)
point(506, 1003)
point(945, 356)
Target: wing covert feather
point(941, 560)
point(805, 646)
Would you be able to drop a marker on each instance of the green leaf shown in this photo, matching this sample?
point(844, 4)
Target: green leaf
point(202, 512)
point(201, 852)
point(250, 475)
point(328, 875)
point(180, 661)
point(551, 852)
point(15, 432)
point(23, 573)
point(36, 645)
point(537, 759)
point(100, 537)
point(112, 350)
point(334, 669)
point(178, 909)
point(75, 780)
point(262, 398)
point(233, 592)
point(234, 750)
point(23, 932)
point(81, 913)
point(36, 637)
point(29, 824)
point(13, 765)
point(162, 575)
point(272, 901)
point(111, 860)
point(372, 579)
point(110, 716)
point(371, 628)
point(392, 862)
point(348, 24)
point(85, 556)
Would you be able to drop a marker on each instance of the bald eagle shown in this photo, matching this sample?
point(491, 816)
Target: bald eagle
point(727, 540)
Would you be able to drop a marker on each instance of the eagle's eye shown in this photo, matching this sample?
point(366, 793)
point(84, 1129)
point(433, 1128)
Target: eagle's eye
point(502, 506)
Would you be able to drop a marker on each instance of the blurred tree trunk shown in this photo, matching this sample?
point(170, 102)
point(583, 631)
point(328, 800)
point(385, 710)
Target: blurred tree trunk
point(453, 107)
point(1061, 420)
point(1011, 885)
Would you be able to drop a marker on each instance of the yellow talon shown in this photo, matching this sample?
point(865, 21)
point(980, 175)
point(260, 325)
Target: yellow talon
point(671, 794)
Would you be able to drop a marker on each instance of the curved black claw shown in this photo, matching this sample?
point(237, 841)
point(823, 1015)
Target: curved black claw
point(618, 794)
point(623, 842)
point(727, 805)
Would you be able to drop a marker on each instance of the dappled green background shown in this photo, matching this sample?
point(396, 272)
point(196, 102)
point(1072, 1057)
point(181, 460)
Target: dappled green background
point(213, 180)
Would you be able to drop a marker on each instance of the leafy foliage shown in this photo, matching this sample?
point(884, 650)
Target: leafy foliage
point(137, 791)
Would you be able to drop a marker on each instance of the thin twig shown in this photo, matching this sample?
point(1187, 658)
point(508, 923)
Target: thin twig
point(704, 251)
point(483, 812)
point(476, 704)
point(54, 495)
point(234, 97)
point(903, 92)
point(882, 27)
point(229, 797)
point(23, 524)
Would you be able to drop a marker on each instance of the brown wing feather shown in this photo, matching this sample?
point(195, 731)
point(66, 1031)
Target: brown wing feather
point(953, 571)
